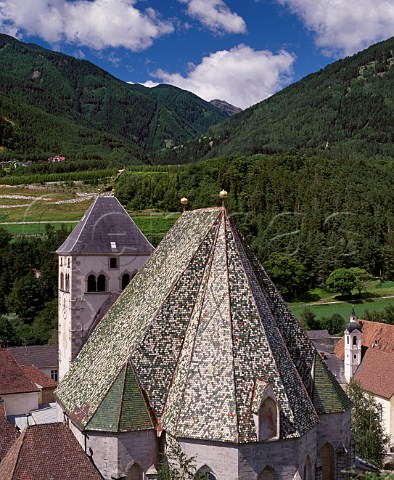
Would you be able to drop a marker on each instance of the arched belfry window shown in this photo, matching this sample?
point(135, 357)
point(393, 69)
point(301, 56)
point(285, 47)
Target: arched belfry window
point(206, 473)
point(355, 340)
point(125, 280)
point(92, 285)
point(101, 283)
point(268, 420)
point(327, 458)
point(267, 474)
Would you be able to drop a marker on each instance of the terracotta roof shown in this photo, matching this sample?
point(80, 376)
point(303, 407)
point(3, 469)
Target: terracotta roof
point(374, 333)
point(42, 356)
point(201, 323)
point(376, 373)
point(8, 433)
point(12, 377)
point(106, 228)
point(47, 451)
point(38, 377)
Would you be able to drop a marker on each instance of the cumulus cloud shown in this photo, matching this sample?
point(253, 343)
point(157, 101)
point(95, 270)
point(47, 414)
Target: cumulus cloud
point(215, 15)
point(96, 24)
point(241, 76)
point(345, 26)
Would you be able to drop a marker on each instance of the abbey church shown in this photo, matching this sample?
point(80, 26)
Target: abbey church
point(190, 343)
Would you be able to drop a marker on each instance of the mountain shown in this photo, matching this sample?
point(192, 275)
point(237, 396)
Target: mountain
point(225, 107)
point(344, 110)
point(82, 96)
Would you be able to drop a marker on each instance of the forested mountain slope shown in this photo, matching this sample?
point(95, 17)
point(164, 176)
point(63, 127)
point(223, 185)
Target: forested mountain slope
point(344, 110)
point(78, 92)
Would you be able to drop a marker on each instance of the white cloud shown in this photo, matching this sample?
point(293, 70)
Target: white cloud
point(345, 26)
point(241, 76)
point(215, 15)
point(96, 24)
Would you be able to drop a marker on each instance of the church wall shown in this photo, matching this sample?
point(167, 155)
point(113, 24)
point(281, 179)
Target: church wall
point(137, 447)
point(221, 458)
point(286, 457)
point(386, 414)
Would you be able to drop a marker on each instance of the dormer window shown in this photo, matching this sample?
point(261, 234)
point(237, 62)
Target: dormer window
point(113, 246)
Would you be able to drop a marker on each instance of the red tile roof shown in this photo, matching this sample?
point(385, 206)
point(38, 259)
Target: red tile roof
point(12, 377)
point(8, 433)
point(374, 333)
point(47, 451)
point(38, 377)
point(376, 373)
point(42, 356)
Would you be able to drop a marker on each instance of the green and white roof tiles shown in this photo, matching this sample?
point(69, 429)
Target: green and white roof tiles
point(201, 323)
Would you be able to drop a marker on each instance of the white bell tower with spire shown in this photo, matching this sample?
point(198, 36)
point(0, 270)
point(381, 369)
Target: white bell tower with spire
point(352, 350)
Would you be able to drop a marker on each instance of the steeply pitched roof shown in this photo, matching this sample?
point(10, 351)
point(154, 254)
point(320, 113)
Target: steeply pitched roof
point(8, 433)
point(381, 335)
point(38, 377)
point(106, 228)
point(47, 451)
point(376, 373)
point(42, 356)
point(12, 377)
point(202, 323)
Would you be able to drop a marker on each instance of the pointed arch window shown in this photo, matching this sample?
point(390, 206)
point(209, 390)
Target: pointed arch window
point(135, 472)
point(327, 458)
point(268, 420)
point(101, 283)
point(92, 285)
point(308, 469)
point(267, 474)
point(206, 473)
point(125, 280)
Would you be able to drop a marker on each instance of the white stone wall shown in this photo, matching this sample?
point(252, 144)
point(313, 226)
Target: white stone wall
point(387, 419)
point(20, 403)
point(114, 454)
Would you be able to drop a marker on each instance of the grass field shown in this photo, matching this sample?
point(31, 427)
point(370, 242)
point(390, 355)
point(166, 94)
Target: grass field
point(344, 309)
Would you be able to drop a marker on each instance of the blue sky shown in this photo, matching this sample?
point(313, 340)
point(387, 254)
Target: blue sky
point(239, 51)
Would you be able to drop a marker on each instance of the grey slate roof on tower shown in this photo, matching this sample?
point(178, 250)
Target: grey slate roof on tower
point(107, 228)
point(200, 332)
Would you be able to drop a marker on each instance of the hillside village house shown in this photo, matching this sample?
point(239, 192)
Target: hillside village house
point(199, 349)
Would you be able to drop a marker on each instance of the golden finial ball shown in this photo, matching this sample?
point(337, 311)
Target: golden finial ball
point(184, 201)
point(223, 194)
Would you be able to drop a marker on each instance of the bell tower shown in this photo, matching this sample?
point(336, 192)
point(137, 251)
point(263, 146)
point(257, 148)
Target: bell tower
point(96, 262)
point(352, 338)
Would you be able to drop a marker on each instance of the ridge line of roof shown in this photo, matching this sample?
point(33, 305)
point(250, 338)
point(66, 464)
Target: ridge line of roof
point(198, 322)
point(122, 396)
point(127, 213)
point(226, 219)
point(284, 389)
point(21, 439)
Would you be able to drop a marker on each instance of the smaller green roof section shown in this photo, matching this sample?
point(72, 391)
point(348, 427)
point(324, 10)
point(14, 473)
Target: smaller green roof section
point(124, 408)
point(328, 395)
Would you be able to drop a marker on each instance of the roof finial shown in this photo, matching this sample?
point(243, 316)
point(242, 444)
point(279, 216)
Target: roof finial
point(184, 203)
point(223, 196)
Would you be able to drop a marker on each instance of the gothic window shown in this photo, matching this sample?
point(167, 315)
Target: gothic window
point(135, 473)
point(327, 458)
point(267, 474)
point(101, 281)
point(125, 280)
point(308, 469)
point(206, 473)
point(113, 262)
point(92, 286)
point(62, 281)
point(268, 420)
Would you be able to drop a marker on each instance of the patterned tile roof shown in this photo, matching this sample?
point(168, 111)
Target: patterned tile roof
point(12, 377)
point(106, 228)
point(38, 377)
point(203, 324)
point(376, 373)
point(8, 433)
point(42, 356)
point(47, 451)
